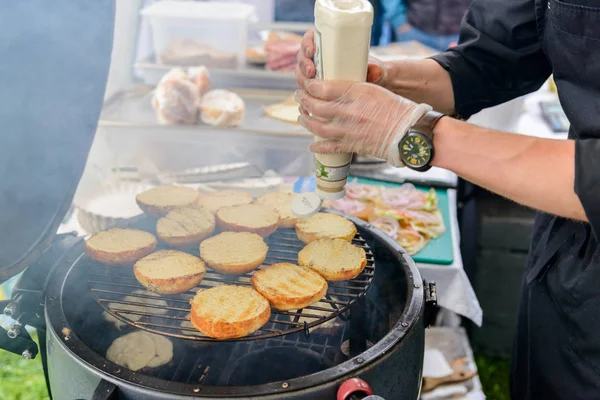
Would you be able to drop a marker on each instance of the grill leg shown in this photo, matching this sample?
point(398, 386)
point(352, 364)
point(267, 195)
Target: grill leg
point(42, 344)
point(358, 336)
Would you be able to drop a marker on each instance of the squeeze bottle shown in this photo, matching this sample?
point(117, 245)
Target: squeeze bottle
point(342, 38)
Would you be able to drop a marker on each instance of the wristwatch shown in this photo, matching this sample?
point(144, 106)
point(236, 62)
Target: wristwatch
point(416, 147)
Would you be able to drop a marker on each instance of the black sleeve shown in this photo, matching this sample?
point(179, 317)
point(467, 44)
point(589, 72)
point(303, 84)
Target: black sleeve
point(587, 179)
point(499, 56)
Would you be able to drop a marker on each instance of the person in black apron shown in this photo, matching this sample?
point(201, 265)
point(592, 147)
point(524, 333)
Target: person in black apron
point(507, 49)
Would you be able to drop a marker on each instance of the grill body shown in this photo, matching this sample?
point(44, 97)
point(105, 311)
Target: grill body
point(380, 339)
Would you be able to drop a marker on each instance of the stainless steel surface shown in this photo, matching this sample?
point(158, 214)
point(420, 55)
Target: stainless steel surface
point(250, 77)
point(110, 286)
point(133, 108)
point(209, 173)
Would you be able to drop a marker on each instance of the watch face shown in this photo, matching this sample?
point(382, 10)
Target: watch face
point(415, 150)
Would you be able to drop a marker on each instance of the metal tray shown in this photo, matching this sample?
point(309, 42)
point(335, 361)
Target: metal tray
point(132, 108)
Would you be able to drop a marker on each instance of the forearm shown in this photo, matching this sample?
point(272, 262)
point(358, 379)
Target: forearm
point(537, 173)
point(422, 81)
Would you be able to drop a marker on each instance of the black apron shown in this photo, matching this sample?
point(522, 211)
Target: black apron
point(557, 348)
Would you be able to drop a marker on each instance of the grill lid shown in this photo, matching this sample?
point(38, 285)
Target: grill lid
point(52, 92)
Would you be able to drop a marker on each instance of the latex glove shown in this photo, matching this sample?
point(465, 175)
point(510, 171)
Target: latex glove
point(376, 72)
point(282, 55)
point(357, 118)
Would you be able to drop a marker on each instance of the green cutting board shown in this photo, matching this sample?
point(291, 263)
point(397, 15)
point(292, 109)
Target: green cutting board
point(437, 251)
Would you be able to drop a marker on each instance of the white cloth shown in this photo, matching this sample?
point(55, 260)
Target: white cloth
point(454, 290)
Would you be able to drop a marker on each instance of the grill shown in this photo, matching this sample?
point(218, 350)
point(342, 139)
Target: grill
point(114, 287)
point(371, 327)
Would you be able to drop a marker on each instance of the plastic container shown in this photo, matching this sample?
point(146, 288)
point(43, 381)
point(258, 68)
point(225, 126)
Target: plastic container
point(187, 33)
point(342, 38)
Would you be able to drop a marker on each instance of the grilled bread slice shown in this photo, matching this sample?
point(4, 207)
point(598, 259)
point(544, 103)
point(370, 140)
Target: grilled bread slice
point(288, 286)
point(169, 271)
point(223, 198)
point(229, 311)
point(158, 201)
point(252, 218)
point(234, 253)
point(139, 350)
point(184, 227)
point(325, 225)
point(282, 202)
point(333, 259)
point(118, 246)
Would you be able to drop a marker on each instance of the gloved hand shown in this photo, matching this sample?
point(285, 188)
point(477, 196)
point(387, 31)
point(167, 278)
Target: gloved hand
point(357, 118)
point(376, 72)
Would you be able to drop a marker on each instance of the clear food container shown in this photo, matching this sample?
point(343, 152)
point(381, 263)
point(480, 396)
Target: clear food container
point(186, 33)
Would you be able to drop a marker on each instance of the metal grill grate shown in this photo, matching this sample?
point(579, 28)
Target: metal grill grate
point(114, 287)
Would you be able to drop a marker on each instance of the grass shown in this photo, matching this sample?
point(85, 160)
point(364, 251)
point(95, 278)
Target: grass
point(494, 374)
point(21, 379)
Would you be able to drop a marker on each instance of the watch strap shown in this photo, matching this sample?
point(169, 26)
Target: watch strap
point(426, 124)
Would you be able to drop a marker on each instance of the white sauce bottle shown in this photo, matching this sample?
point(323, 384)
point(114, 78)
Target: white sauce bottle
point(342, 38)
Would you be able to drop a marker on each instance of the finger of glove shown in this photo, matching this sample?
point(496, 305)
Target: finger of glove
point(320, 128)
point(305, 71)
point(320, 108)
point(330, 90)
point(330, 147)
point(307, 45)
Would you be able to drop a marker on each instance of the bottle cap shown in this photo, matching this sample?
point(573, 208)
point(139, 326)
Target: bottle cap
point(306, 204)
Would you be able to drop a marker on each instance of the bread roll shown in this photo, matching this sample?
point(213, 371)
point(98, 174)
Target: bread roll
point(118, 246)
point(184, 227)
point(333, 259)
point(282, 202)
point(139, 350)
point(175, 101)
point(325, 225)
point(253, 218)
point(158, 201)
point(288, 286)
point(169, 271)
point(234, 253)
point(228, 311)
point(222, 198)
point(222, 108)
point(200, 77)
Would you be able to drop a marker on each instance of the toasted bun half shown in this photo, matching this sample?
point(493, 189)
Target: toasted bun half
point(223, 198)
point(234, 253)
point(169, 271)
point(185, 227)
point(158, 201)
point(333, 259)
point(228, 311)
point(253, 218)
point(288, 286)
point(282, 202)
point(118, 246)
point(325, 225)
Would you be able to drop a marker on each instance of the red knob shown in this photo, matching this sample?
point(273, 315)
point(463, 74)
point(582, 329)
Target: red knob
point(353, 386)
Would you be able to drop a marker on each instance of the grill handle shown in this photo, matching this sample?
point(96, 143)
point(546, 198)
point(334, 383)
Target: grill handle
point(431, 307)
point(17, 340)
